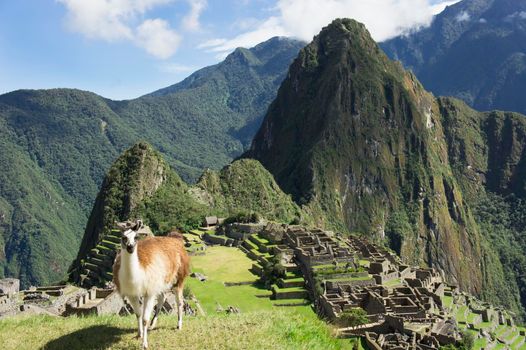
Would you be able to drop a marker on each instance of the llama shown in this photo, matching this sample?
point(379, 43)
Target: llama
point(145, 269)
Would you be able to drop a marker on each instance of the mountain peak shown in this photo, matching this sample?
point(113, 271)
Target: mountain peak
point(349, 135)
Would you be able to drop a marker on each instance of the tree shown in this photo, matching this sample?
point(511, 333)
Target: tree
point(273, 270)
point(468, 339)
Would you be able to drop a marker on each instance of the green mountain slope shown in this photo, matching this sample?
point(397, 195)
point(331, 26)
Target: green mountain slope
point(69, 139)
point(474, 50)
point(363, 147)
point(31, 219)
point(245, 185)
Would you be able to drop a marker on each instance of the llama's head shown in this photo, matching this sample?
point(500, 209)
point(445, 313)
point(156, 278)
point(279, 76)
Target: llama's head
point(129, 234)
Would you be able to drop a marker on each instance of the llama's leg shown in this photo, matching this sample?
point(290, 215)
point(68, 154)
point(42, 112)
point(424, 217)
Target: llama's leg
point(149, 303)
point(135, 302)
point(157, 311)
point(180, 304)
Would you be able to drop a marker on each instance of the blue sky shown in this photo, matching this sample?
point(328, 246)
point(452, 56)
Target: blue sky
point(122, 49)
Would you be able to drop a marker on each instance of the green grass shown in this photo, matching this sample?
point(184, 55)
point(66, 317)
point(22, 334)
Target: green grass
point(460, 316)
point(252, 245)
point(515, 344)
point(364, 263)
point(447, 301)
point(223, 264)
point(484, 325)
point(471, 317)
point(480, 343)
point(295, 279)
point(393, 283)
point(260, 325)
point(290, 301)
point(349, 279)
point(276, 329)
point(260, 239)
point(291, 289)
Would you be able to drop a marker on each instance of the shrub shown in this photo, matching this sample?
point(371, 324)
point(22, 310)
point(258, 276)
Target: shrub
point(354, 317)
point(243, 217)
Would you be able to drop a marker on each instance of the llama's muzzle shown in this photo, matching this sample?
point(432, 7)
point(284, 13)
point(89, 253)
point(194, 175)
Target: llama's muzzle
point(130, 247)
point(129, 244)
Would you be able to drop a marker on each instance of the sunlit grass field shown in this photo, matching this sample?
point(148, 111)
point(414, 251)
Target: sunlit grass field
point(259, 325)
point(274, 329)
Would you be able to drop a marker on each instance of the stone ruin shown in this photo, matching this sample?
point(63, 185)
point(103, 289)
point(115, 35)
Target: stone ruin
point(398, 299)
point(67, 300)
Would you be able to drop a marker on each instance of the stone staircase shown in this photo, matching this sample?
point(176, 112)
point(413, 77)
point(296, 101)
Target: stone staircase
point(96, 268)
point(95, 301)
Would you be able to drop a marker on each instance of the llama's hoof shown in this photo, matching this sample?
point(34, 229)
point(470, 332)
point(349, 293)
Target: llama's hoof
point(153, 324)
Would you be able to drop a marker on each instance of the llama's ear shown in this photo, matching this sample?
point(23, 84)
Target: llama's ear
point(122, 225)
point(138, 225)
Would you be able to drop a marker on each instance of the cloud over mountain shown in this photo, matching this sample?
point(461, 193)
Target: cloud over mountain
point(304, 18)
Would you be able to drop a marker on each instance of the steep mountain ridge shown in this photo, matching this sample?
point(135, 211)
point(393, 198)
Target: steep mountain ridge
point(71, 137)
point(474, 50)
point(360, 143)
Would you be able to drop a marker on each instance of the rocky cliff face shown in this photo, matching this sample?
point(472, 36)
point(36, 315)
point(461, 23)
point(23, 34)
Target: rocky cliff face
point(363, 147)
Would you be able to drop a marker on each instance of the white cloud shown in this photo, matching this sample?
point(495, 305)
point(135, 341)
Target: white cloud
point(516, 15)
point(112, 20)
point(463, 17)
point(211, 43)
point(304, 18)
point(156, 37)
point(176, 68)
point(269, 28)
point(106, 19)
point(191, 20)
point(441, 6)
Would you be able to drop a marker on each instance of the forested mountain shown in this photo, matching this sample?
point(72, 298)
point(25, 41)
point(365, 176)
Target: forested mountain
point(364, 148)
point(58, 144)
point(474, 50)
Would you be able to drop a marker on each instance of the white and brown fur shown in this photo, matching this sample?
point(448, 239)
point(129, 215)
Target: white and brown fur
point(144, 270)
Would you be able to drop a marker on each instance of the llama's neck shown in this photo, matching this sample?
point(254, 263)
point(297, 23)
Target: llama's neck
point(130, 263)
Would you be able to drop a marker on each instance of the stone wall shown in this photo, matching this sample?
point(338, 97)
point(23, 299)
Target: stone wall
point(9, 286)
